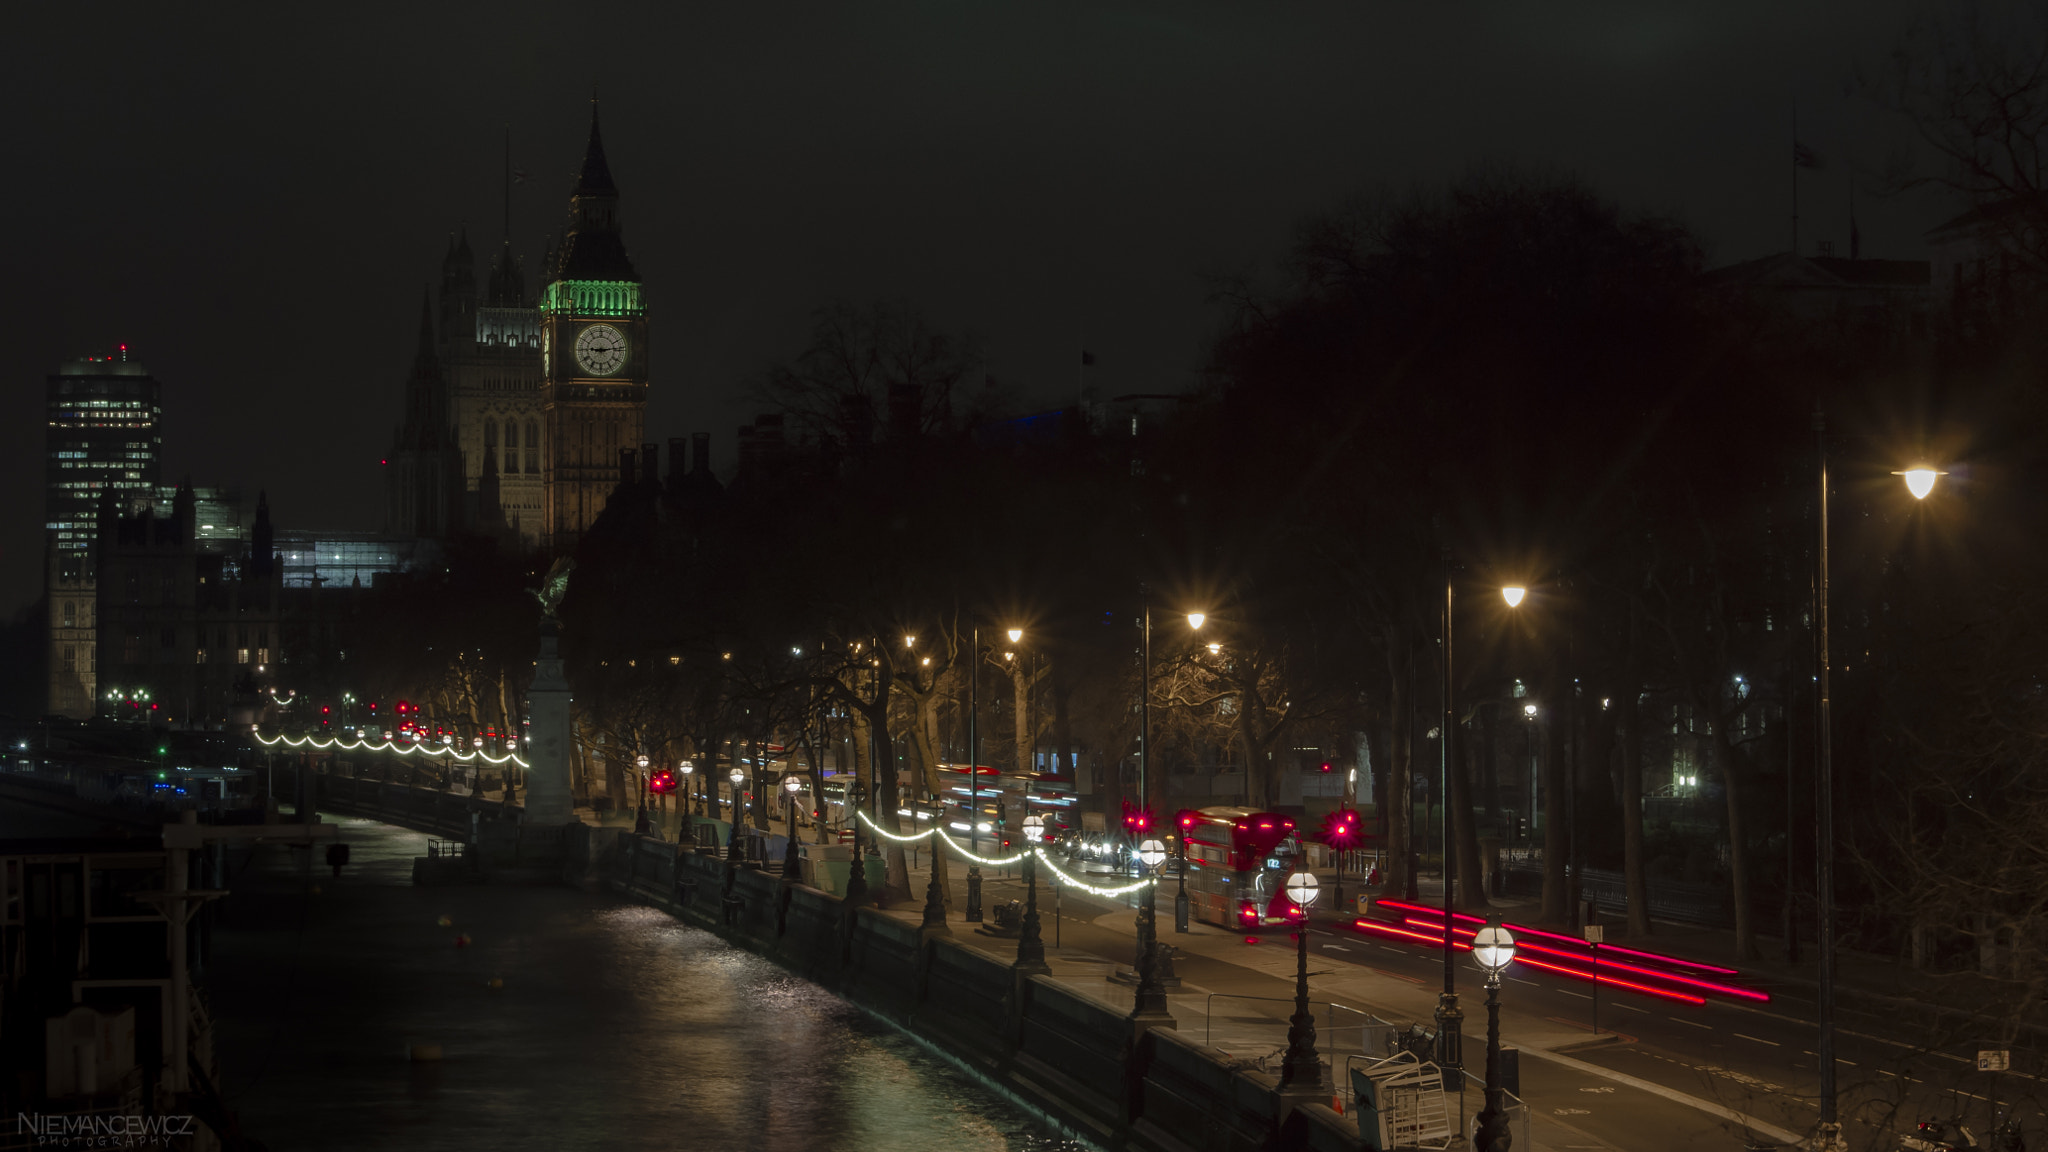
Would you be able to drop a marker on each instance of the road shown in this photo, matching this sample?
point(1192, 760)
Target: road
point(1752, 1059)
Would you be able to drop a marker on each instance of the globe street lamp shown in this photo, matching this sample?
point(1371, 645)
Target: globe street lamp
point(1494, 948)
point(732, 842)
point(1030, 948)
point(683, 809)
point(640, 820)
point(1301, 1070)
point(792, 857)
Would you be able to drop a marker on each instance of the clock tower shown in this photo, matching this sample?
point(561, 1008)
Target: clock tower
point(593, 346)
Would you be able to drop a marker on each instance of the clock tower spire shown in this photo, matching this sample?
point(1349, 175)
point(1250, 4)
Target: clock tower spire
point(593, 350)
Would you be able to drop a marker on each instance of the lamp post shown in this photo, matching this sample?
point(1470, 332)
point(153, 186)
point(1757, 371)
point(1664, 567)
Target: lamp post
point(683, 808)
point(1920, 481)
point(1150, 1003)
point(792, 855)
point(1450, 1018)
point(640, 818)
point(1301, 1069)
point(1494, 948)
point(1030, 947)
point(732, 841)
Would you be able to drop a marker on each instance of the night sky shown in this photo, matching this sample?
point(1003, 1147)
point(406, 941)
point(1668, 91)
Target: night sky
point(252, 197)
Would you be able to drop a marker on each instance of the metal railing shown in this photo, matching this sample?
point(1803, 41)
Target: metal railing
point(1336, 1040)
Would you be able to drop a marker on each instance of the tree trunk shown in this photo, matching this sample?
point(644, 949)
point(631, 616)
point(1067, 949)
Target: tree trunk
point(924, 743)
point(882, 785)
point(1556, 795)
point(1736, 787)
point(1471, 894)
point(1633, 877)
point(1027, 735)
point(1400, 863)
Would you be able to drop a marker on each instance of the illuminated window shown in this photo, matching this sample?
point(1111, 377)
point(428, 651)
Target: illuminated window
point(241, 655)
point(199, 656)
point(263, 655)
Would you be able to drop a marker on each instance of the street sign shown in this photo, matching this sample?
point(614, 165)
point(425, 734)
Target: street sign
point(1994, 1059)
point(1596, 933)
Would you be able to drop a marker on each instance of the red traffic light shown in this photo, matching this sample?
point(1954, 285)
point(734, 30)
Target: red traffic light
point(663, 782)
point(1340, 829)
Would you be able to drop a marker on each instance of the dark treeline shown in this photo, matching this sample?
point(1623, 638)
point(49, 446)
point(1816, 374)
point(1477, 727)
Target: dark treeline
point(1507, 381)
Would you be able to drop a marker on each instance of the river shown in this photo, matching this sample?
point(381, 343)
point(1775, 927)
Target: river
point(565, 1019)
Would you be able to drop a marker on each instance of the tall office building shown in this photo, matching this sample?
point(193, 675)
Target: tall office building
point(104, 433)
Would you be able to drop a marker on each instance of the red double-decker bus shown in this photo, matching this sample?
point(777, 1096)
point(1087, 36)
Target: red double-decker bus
point(1238, 860)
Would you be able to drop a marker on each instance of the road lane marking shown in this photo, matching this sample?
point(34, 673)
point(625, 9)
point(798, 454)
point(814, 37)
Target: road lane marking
point(1838, 1059)
point(1336, 948)
point(1759, 1040)
point(1694, 1023)
point(1655, 1089)
point(1580, 995)
point(1530, 983)
point(1632, 1008)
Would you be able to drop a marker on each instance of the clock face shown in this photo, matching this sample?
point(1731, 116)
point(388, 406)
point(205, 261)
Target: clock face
point(601, 349)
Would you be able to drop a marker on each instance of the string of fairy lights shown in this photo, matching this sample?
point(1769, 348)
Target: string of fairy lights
point(390, 746)
point(994, 862)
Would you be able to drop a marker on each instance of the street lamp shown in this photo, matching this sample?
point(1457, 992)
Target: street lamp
point(683, 809)
point(1513, 594)
point(1494, 948)
point(1149, 1006)
point(792, 858)
point(640, 821)
point(1152, 853)
point(1301, 1070)
point(738, 777)
point(1030, 948)
point(974, 768)
point(1920, 480)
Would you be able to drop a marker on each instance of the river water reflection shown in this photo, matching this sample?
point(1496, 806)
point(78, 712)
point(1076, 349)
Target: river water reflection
point(566, 1020)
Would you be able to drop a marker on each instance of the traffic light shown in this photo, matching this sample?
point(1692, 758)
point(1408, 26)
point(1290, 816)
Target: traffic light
point(1326, 765)
point(1341, 830)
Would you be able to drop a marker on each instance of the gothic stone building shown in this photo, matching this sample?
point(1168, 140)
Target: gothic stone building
point(527, 400)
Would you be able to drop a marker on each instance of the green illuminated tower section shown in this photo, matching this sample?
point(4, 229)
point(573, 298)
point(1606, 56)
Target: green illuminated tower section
point(594, 354)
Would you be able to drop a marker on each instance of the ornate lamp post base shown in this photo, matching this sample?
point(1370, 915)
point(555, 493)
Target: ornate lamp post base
point(934, 902)
point(1450, 1037)
point(1030, 946)
point(1301, 1069)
